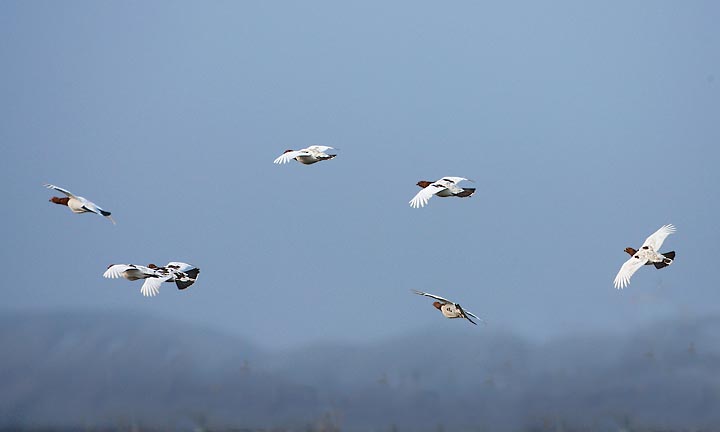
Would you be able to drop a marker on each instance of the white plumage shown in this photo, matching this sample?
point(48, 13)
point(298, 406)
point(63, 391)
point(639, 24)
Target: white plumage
point(450, 309)
point(306, 156)
point(647, 254)
point(445, 187)
point(182, 274)
point(78, 204)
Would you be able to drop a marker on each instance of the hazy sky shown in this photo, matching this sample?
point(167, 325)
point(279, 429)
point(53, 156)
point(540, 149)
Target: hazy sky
point(586, 127)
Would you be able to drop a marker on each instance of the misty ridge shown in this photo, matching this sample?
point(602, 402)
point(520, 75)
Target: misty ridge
point(115, 370)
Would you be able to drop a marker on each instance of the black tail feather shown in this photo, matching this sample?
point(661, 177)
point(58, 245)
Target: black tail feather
point(193, 274)
point(466, 192)
point(659, 265)
point(670, 255)
point(105, 213)
point(184, 284)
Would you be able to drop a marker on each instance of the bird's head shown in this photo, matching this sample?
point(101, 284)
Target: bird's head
point(288, 151)
point(437, 305)
point(61, 201)
point(630, 251)
point(424, 183)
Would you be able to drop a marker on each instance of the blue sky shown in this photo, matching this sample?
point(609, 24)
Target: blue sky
point(586, 127)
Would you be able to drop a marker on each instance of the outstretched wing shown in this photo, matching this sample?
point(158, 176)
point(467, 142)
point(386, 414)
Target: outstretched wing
point(92, 207)
point(288, 156)
point(657, 238)
point(467, 312)
point(627, 270)
point(431, 295)
point(59, 189)
point(455, 180)
point(421, 198)
point(151, 287)
point(116, 271)
point(320, 148)
point(179, 266)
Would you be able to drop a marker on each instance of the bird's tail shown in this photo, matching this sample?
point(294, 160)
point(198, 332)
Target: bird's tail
point(192, 277)
point(669, 258)
point(466, 192)
point(107, 215)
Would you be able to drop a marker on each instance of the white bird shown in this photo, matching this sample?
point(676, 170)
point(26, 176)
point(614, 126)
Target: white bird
point(78, 204)
point(445, 187)
point(647, 254)
point(450, 309)
point(182, 274)
point(306, 156)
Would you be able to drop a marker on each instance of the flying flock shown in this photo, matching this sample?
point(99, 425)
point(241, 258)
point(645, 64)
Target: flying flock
point(184, 275)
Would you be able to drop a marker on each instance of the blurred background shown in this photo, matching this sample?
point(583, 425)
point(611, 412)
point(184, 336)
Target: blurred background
point(584, 126)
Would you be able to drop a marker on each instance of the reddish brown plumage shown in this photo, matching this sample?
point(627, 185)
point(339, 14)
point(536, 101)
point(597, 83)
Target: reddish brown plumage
point(630, 250)
point(424, 183)
point(437, 305)
point(152, 266)
point(62, 201)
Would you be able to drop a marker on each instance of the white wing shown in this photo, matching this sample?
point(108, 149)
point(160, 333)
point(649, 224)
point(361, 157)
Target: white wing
point(421, 198)
point(627, 270)
point(288, 156)
point(474, 316)
point(96, 209)
point(455, 180)
point(181, 266)
point(431, 295)
point(657, 238)
point(124, 270)
point(151, 287)
point(319, 148)
point(59, 189)
point(116, 271)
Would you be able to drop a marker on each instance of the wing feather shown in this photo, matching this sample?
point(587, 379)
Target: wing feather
point(151, 287)
point(455, 180)
point(320, 148)
point(421, 198)
point(115, 271)
point(474, 316)
point(657, 238)
point(627, 270)
point(431, 295)
point(181, 266)
point(288, 156)
point(59, 189)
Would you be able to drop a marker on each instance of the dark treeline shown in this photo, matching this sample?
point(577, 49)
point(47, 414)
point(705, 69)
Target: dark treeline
point(106, 372)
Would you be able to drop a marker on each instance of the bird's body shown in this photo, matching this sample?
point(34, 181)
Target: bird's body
point(78, 204)
point(449, 309)
point(306, 156)
point(647, 254)
point(445, 187)
point(182, 274)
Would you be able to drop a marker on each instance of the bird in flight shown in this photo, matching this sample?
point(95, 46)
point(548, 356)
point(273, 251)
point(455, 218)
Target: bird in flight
point(450, 309)
point(182, 274)
point(647, 254)
point(306, 156)
point(445, 187)
point(78, 204)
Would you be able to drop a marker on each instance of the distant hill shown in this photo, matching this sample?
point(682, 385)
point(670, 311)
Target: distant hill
point(111, 369)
